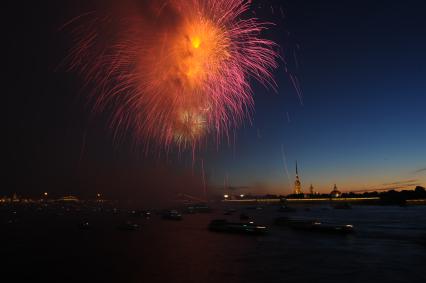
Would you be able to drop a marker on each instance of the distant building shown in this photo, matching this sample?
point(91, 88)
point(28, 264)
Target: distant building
point(335, 193)
point(15, 198)
point(297, 184)
point(311, 190)
point(69, 199)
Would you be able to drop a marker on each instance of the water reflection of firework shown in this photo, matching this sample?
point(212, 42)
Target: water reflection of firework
point(179, 75)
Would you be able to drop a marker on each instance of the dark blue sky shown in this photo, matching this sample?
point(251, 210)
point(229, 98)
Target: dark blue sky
point(362, 124)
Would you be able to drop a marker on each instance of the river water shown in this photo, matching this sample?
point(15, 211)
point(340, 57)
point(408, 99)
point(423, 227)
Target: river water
point(389, 246)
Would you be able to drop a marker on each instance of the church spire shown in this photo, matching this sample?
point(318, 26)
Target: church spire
point(297, 184)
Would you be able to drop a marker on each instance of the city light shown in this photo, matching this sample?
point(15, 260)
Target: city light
point(225, 196)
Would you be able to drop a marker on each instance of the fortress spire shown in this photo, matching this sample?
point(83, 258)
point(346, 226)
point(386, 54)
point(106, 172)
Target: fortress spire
point(297, 184)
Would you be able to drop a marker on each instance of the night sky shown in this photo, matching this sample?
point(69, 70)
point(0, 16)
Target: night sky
point(360, 121)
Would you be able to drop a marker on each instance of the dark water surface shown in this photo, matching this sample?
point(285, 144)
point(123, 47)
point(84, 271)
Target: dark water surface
point(389, 246)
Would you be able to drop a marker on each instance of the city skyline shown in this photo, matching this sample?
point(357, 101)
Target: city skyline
point(323, 188)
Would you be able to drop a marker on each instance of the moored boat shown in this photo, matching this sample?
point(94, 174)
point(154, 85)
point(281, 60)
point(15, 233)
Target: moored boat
point(222, 225)
point(171, 215)
point(129, 226)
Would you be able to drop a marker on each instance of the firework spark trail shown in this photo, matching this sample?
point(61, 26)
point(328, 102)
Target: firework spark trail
point(284, 160)
point(297, 87)
point(180, 77)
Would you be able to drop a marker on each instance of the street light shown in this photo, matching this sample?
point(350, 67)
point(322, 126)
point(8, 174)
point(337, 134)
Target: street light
point(45, 194)
point(225, 196)
point(241, 195)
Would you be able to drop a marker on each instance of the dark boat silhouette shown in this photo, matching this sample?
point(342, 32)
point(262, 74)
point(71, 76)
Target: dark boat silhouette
point(85, 225)
point(202, 208)
point(197, 208)
point(171, 215)
point(129, 226)
point(140, 213)
point(222, 225)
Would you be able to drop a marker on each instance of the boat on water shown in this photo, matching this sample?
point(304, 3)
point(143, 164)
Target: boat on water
point(171, 215)
point(254, 207)
point(140, 213)
point(129, 226)
point(314, 226)
point(202, 208)
point(222, 225)
point(85, 225)
point(198, 208)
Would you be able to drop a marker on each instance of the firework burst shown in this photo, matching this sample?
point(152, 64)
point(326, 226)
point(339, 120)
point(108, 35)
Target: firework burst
point(177, 73)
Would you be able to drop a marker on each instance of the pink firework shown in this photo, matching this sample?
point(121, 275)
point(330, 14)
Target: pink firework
point(174, 72)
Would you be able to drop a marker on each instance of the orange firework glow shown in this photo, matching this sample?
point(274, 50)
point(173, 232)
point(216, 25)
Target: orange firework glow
point(177, 81)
